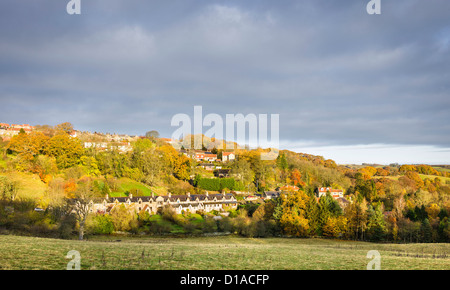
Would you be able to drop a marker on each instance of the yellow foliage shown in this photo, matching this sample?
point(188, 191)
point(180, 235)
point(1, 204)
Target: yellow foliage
point(335, 226)
point(294, 224)
point(293, 219)
point(433, 210)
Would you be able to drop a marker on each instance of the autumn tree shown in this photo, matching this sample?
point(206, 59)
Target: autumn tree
point(405, 168)
point(28, 146)
point(182, 167)
point(382, 172)
point(112, 163)
point(293, 214)
point(47, 130)
point(45, 167)
point(368, 172)
point(427, 169)
point(66, 128)
point(356, 214)
point(433, 211)
point(65, 149)
point(153, 165)
point(414, 176)
point(90, 165)
point(330, 163)
point(335, 226)
point(241, 170)
point(142, 144)
point(262, 169)
point(296, 178)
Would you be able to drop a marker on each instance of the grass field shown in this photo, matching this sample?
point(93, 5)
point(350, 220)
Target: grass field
point(444, 180)
point(439, 168)
point(216, 253)
point(128, 185)
point(29, 185)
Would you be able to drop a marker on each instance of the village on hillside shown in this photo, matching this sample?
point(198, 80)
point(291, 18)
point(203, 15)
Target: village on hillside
point(148, 183)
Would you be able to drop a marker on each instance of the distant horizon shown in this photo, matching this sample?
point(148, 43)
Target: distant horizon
point(327, 152)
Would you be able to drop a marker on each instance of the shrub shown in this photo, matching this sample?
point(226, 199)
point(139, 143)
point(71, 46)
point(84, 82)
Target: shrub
point(209, 225)
point(169, 214)
point(66, 226)
point(225, 225)
point(101, 224)
point(191, 228)
point(159, 226)
point(122, 218)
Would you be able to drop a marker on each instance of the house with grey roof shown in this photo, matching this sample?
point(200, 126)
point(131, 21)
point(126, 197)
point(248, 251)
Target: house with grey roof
point(180, 203)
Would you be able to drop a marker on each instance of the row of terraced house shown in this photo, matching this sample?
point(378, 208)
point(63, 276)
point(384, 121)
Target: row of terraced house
point(9, 130)
point(179, 203)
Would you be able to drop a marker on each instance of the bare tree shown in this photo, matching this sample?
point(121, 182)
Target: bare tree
point(152, 134)
point(82, 205)
point(9, 189)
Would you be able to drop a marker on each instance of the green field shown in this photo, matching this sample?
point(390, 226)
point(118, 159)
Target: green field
point(29, 185)
point(444, 180)
point(439, 168)
point(216, 253)
point(128, 185)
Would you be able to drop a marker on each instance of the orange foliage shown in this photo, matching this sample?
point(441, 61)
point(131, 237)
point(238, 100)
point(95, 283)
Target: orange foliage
point(296, 178)
point(69, 188)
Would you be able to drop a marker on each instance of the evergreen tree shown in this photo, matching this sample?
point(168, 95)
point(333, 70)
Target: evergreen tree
point(444, 230)
point(376, 225)
point(323, 212)
point(426, 231)
point(420, 213)
point(313, 215)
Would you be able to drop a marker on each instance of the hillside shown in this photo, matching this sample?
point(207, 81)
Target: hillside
point(48, 168)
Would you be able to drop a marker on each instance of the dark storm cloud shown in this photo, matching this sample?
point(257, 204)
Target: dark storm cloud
point(335, 74)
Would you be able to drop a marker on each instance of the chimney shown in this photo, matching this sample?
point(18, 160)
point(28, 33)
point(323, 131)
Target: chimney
point(153, 194)
point(189, 194)
point(107, 196)
point(130, 195)
point(170, 195)
point(207, 194)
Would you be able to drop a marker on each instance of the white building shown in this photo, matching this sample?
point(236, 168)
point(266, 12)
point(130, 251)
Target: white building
point(190, 202)
point(228, 156)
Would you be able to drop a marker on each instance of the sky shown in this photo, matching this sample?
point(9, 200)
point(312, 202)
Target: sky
point(346, 85)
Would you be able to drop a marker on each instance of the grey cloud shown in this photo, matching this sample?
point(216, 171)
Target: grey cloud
point(332, 72)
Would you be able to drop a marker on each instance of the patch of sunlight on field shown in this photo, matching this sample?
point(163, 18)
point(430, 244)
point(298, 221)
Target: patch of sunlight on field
point(30, 185)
